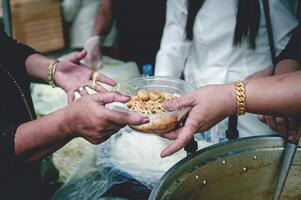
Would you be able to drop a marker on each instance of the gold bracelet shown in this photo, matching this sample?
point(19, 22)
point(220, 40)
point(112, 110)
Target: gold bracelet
point(51, 71)
point(240, 98)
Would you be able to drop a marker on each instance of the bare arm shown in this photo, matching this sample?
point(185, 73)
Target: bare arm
point(276, 95)
point(38, 138)
point(86, 117)
point(37, 66)
point(103, 20)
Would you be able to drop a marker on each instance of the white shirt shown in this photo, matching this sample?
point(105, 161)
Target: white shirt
point(82, 13)
point(210, 57)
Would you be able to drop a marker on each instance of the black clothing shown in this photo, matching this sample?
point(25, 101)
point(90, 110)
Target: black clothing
point(140, 26)
point(293, 48)
point(17, 180)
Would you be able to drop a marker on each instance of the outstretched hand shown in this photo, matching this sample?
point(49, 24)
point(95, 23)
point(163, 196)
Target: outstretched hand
point(71, 74)
point(206, 111)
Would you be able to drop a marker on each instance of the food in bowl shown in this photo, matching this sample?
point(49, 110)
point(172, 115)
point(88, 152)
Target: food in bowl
point(153, 91)
point(149, 102)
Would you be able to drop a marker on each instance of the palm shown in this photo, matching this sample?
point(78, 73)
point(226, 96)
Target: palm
point(71, 75)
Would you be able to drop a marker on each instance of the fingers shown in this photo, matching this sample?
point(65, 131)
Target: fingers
point(184, 136)
point(109, 97)
point(294, 130)
point(297, 136)
point(99, 88)
point(104, 79)
point(285, 127)
point(82, 91)
point(77, 57)
point(177, 104)
point(282, 126)
point(271, 122)
point(123, 118)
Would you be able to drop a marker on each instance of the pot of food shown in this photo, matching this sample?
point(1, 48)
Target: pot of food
point(147, 97)
point(245, 169)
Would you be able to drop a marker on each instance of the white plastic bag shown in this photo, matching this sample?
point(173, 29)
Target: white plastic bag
point(127, 157)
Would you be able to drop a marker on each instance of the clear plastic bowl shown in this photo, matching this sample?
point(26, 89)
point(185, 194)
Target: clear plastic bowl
point(162, 122)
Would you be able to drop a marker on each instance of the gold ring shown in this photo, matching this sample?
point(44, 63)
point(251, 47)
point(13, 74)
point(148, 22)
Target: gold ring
point(80, 89)
point(94, 80)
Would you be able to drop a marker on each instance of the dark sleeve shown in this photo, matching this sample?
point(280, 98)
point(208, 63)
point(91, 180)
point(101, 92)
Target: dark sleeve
point(7, 150)
point(293, 48)
point(13, 53)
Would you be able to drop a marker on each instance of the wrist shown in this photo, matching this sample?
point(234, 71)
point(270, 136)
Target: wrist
point(66, 122)
point(241, 103)
point(93, 40)
point(230, 99)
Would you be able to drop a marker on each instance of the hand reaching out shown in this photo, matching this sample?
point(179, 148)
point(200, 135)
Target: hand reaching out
point(206, 111)
point(70, 75)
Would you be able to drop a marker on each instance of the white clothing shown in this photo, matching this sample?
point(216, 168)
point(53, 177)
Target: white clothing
point(82, 13)
point(210, 57)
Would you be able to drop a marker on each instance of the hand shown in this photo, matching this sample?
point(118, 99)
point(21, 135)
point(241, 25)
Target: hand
point(87, 117)
point(70, 75)
point(94, 56)
point(286, 127)
point(207, 110)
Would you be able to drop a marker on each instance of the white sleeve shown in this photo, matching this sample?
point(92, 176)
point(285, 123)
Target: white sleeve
point(174, 45)
point(70, 9)
point(283, 19)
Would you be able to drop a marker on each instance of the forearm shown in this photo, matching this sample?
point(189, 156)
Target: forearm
point(275, 95)
point(38, 138)
point(103, 20)
point(37, 66)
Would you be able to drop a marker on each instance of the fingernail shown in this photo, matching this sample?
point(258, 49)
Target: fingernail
point(145, 121)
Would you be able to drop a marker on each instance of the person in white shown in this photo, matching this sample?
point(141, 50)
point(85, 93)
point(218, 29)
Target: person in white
point(81, 15)
point(211, 57)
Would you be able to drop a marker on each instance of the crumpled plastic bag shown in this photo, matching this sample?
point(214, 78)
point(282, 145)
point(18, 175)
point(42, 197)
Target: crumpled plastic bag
point(127, 156)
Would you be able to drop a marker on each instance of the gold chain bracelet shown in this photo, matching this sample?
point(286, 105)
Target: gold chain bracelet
point(51, 71)
point(240, 98)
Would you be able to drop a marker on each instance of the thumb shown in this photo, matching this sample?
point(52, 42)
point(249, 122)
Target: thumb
point(77, 57)
point(177, 104)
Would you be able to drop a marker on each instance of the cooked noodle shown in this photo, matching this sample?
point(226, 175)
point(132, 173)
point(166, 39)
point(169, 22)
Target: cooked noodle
point(148, 102)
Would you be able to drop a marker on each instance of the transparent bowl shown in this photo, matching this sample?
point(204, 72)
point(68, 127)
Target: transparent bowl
point(162, 122)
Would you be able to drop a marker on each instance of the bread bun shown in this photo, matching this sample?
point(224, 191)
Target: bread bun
point(160, 124)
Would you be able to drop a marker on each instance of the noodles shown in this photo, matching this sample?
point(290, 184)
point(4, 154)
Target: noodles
point(148, 102)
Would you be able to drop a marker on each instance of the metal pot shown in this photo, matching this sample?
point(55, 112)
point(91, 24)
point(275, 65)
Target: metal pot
point(242, 169)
